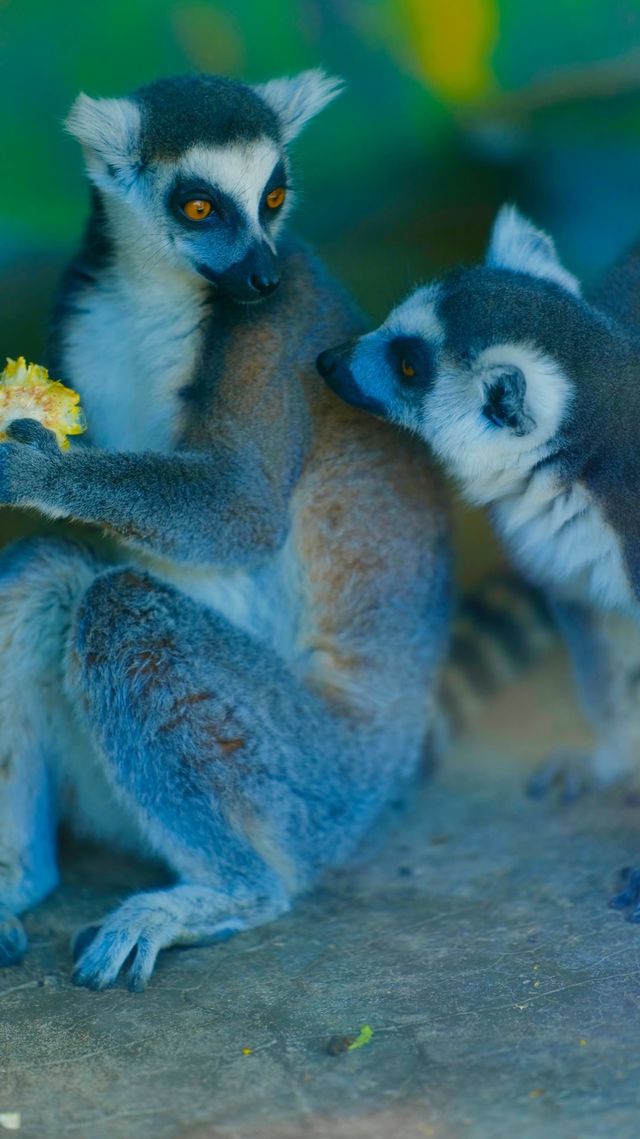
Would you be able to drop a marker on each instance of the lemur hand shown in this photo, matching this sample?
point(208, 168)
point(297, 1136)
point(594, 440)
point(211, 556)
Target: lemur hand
point(27, 461)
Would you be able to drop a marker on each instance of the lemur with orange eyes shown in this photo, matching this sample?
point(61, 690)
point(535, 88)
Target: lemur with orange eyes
point(248, 686)
point(530, 394)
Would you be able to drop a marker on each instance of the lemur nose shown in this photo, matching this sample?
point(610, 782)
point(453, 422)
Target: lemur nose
point(264, 283)
point(327, 362)
point(332, 359)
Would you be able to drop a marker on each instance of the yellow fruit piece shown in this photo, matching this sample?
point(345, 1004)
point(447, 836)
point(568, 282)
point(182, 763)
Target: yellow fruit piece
point(26, 392)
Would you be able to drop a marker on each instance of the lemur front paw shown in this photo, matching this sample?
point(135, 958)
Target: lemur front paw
point(13, 939)
point(32, 434)
point(25, 460)
point(101, 953)
point(128, 941)
point(567, 772)
point(629, 896)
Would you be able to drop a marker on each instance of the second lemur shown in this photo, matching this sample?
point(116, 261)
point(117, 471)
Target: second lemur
point(530, 394)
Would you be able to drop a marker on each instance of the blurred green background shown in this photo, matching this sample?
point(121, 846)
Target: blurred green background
point(451, 107)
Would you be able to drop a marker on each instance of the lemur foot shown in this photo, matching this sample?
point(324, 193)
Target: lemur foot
point(130, 940)
point(566, 771)
point(629, 897)
point(13, 939)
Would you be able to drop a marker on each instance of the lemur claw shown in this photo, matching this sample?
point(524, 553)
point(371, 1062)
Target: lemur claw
point(102, 954)
point(128, 942)
point(566, 771)
point(629, 897)
point(13, 939)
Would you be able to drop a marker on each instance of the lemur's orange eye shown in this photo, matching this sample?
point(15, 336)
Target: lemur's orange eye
point(276, 197)
point(197, 209)
point(407, 369)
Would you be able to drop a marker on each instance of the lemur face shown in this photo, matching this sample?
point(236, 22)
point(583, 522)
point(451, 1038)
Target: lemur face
point(194, 171)
point(471, 363)
point(389, 371)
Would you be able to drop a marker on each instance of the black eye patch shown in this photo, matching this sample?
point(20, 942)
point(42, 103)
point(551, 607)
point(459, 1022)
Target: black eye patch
point(278, 178)
point(186, 190)
point(413, 360)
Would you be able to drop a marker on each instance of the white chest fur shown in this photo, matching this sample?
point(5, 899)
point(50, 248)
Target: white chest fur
point(129, 351)
point(560, 538)
point(263, 601)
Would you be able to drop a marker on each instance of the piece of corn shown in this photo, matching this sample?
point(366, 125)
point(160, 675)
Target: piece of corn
point(26, 392)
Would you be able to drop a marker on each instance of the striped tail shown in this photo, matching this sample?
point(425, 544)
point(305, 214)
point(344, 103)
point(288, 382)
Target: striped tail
point(502, 627)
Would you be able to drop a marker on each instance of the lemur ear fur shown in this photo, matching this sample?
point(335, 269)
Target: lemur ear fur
point(110, 128)
point(518, 245)
point(296, 100)
point(504, 390)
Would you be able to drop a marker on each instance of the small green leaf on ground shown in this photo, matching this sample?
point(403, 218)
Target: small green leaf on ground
point(363, 1037)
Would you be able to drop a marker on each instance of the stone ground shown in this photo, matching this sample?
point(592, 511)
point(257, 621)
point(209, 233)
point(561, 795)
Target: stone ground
point(475, 940)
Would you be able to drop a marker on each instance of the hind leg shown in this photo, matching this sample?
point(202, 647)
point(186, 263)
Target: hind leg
point(237, 776)
point(605, 653)
point(40, 581)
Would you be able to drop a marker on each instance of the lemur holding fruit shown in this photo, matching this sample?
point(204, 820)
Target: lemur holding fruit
point(248, 687)
point(530, 395)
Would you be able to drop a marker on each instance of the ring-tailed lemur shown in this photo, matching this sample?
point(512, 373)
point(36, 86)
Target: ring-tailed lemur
point(530, 395)
point(247, 689)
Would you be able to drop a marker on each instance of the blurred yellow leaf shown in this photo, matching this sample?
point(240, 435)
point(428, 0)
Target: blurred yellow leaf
point(209, 37)
point(454, 40)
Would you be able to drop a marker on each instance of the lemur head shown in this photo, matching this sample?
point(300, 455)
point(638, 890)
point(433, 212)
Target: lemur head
point(483, 364)
point(193, 171)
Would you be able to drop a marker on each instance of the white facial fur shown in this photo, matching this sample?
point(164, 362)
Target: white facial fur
point(137, 204)
point(491, 461)
point(556, 533)
point(240, 170)
point(416, 316)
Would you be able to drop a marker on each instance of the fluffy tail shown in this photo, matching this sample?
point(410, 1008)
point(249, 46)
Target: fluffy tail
point(502, 627)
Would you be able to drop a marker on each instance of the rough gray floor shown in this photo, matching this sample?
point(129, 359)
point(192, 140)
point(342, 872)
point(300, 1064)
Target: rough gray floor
point(476, 941)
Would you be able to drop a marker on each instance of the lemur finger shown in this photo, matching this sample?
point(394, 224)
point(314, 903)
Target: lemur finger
point(100, 964)
point(13, 939)
point(32, 433)
point(566, 770)
point(142, 965)
point(543, 779)
point(630, 894)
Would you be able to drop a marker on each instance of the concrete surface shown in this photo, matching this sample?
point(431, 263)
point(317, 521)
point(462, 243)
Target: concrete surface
point(475, 939)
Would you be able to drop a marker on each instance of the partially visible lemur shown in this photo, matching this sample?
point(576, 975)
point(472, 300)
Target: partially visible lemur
point(531, 396)
point(242, 694)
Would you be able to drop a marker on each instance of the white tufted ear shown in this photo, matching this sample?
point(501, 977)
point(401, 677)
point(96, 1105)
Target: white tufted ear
point(298, 99)
point(108, 127)
point(517, 244)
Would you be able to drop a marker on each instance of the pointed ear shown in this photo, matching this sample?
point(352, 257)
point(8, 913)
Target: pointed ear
point(517, 244)
point(110, 128)
point(297, 100)
point(504, 389)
